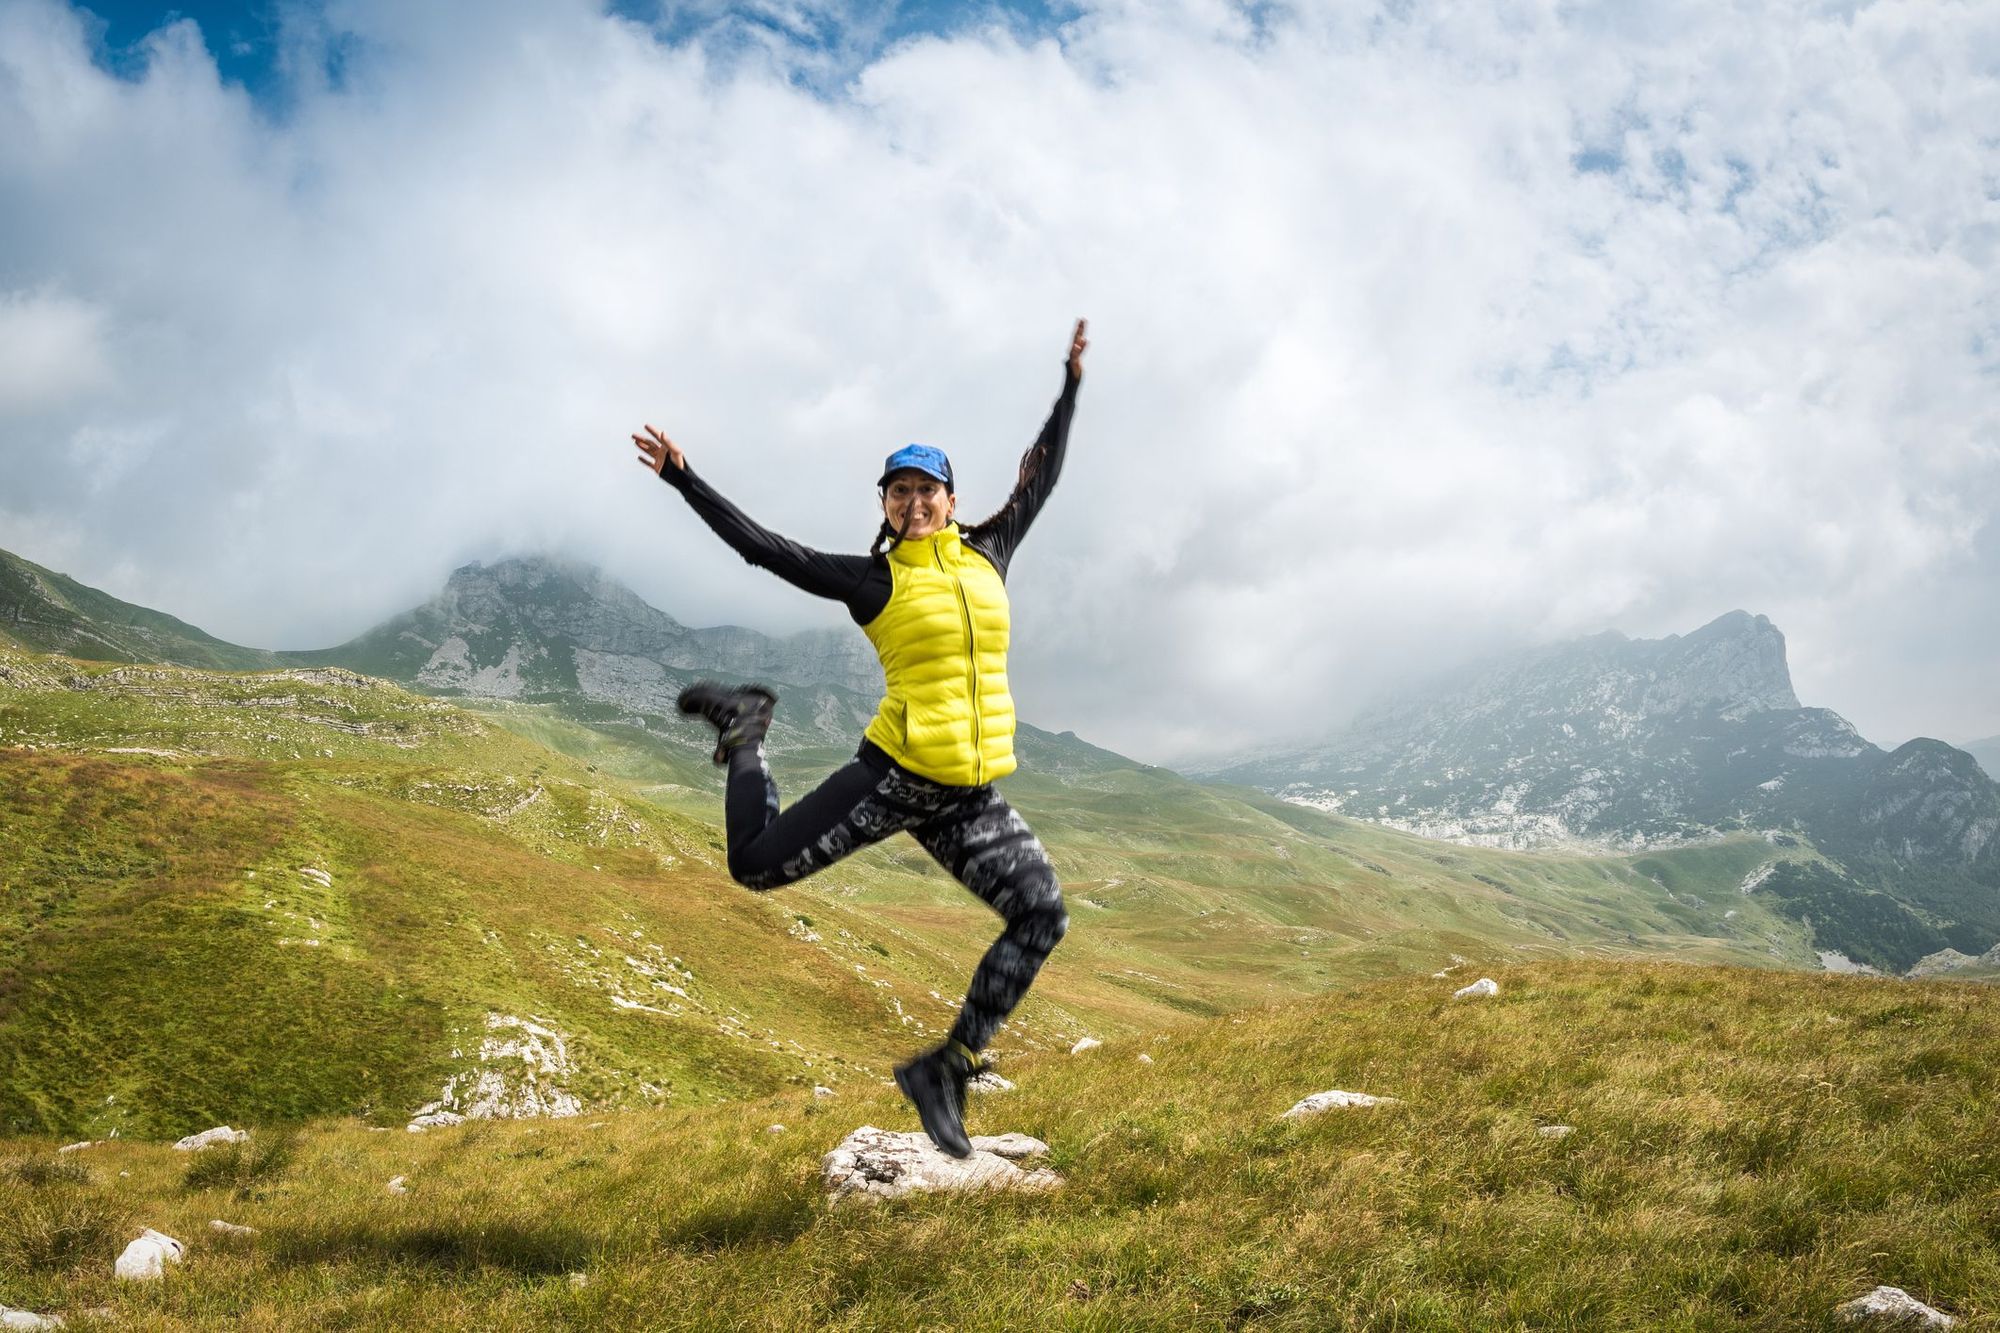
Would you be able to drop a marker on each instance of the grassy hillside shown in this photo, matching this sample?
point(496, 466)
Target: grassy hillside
point(1749, 1149)
point(305, 893)
point(49, 612)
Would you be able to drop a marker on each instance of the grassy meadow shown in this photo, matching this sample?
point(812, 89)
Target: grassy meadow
point(275, 897)
point(1750, 1149)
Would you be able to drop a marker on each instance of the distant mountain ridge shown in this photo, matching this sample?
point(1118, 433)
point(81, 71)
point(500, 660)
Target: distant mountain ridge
point(48, 612)
point(538, 625)
point(531, 629)
point(1628, 743)
point(1606, 743)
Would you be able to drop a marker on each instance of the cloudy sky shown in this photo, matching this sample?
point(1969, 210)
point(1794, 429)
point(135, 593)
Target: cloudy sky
point(1418, 331)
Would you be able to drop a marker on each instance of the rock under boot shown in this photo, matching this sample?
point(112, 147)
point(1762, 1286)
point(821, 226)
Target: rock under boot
point(741, 715)
point(935, 1084)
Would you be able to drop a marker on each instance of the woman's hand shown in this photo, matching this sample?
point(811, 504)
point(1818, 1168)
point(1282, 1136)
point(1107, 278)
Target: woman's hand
point(656, 450)
point(1077, 343)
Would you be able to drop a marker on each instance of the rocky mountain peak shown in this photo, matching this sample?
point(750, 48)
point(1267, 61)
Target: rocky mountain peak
point(1736, 662)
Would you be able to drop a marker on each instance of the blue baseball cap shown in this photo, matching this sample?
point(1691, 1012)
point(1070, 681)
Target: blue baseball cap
point(919, 458)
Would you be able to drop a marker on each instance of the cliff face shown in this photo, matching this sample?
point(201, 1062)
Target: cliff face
point(1602, 740)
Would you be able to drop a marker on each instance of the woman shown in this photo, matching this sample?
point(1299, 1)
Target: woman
point(935, 606)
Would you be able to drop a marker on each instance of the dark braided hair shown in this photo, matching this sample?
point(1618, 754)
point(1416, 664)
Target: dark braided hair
point(891, 535)
point(884, 534)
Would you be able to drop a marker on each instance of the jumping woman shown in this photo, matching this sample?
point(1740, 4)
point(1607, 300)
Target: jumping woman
point(934, 604)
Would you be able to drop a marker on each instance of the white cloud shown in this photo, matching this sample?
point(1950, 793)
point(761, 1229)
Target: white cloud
point(50, 351)
point(1416, 331)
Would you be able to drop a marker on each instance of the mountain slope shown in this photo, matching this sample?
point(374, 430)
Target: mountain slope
point(1613, 742)
point(43, 611)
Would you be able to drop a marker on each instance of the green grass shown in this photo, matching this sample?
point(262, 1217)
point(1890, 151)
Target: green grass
point(271, 898)
point(1750, 1150)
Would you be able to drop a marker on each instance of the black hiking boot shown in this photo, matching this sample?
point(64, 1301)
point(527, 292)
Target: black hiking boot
point(935, 1084)
point(742, 715)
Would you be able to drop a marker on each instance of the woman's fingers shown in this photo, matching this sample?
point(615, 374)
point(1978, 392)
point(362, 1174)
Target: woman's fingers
point(658, 450)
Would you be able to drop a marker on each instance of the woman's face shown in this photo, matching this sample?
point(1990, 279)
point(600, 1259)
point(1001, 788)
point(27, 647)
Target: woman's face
point(920, 499)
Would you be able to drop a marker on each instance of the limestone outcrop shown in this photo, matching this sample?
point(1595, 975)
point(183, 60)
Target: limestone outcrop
point(876, 1163)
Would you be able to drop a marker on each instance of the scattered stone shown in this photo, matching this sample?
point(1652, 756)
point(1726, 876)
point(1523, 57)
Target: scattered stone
point(220, 1134)
point(1556, 1131)
point(876, 1163)
point(1481, 987)
point(1331, 1098)
point(774, 1129)
point(1144, 1058)
point(222, 1228)
point(579, 1278)
point(1892, 1305)
point(988, 1081)
point(398, 1185)
point(819, 1091)
point(145, 1259)
point(28, 1319)
point(1085, 1044)
point(77, 1147)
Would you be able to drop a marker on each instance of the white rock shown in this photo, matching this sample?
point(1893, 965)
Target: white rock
point(876, 1163)
point(1013, 1147)
point(222, 1228)
point(145, 1259)
point(1483, 986)
point(1894, 1306)
point(774, 1129)
point(988, 1081)
point(1144, 1058)
point(220, 1134)
point(1556, 1131)
point(1085, 1044)
point(819, 1091)
point(1331, 1098)
point(434, 1120)
point(397, 1185)
point(28, 1319)
point(77, 1147)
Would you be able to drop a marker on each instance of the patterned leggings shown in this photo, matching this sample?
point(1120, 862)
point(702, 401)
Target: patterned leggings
point(972, 832)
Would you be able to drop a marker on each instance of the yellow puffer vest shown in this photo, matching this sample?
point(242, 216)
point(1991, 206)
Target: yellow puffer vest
point(943, 643)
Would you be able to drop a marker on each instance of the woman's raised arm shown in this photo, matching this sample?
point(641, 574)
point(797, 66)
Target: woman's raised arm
point(1040, 467)
point(842, 578)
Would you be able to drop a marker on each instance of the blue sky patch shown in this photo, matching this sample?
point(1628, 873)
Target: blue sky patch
point(246, 37)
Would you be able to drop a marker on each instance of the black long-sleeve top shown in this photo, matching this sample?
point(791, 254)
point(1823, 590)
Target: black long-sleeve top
point(862, 582)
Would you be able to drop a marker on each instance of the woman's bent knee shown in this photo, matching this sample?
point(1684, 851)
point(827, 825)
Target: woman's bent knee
point(1046, 924)
point(757, 876)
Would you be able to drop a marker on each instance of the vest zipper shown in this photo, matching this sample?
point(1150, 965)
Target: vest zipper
point(971, 664)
